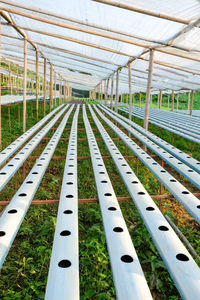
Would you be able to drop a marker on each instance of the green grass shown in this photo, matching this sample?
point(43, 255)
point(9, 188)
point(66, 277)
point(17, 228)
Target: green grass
point(24, 273)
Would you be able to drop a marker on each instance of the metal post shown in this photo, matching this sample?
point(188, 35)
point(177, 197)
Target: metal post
point(148, 94)
point(130, 91)
point(0, 89)
point(160, 100)
point(111, 96)
point(117, 91)
point(54, 89)
point(188, 101)
point(37, 84)
point(44, 86)
point(107, 92)
point(140, 98)
point(177, 101)
point(191, 103)
point(104, 91)
point(51, 87)
point(173, 100)
point(61, 90)
point(24, 91)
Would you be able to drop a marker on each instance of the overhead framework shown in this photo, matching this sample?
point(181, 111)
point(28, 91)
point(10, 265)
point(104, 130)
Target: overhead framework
point(96, 39)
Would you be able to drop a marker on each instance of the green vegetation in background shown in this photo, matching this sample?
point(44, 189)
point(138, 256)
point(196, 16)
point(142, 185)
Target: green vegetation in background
point(183, 101)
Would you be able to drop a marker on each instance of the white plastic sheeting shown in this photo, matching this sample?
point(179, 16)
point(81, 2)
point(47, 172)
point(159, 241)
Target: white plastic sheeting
point(85, 66)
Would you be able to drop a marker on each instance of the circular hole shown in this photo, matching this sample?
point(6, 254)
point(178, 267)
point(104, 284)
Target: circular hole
point(185, 192)
point(67, 212)
point(99, 165)
point(101, 172)
point(190, 171)
point(39, 165)
point(198, 206)
point(127, 259)
point(107, 194)
point(69, 173)
point(150, 208)
point(172, 180)
point(69, 183)
point(163, 228)
point(182, 257)
point(29, 182)
point(179, 163)
point(128, 172)
point(162, 171)
point(141, 193)
point(104, 181)
point(2, 173)
point(118, 229)
point(64, 263)
point(135, 182)
point(69, 196)
point(22, 195)
point(35, 173)
point(12, 211)
point(112, 208)
point(124, 165)
point(65, 233)
point(10, 165)
point(2, 233)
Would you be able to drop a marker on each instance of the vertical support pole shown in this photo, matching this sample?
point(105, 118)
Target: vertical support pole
point(117, 91)
point(24, 91)
point(191, 103)
point(0, 90)
point(177, 103)
point(140, 98)
point(104, 91)
point(54, 88)
point(160, 100)
point(172, 100)
point(168, 100)
point(101, 92)
point(148, 94)
point(51, 87)
point(9, 79)
point(61, 90)
point(111, 96)
point(17, 82)
point(130, 91)
point(188, 101)
point(59, 101)
point(107, 86)
point(44, 86)
point(37, 83)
